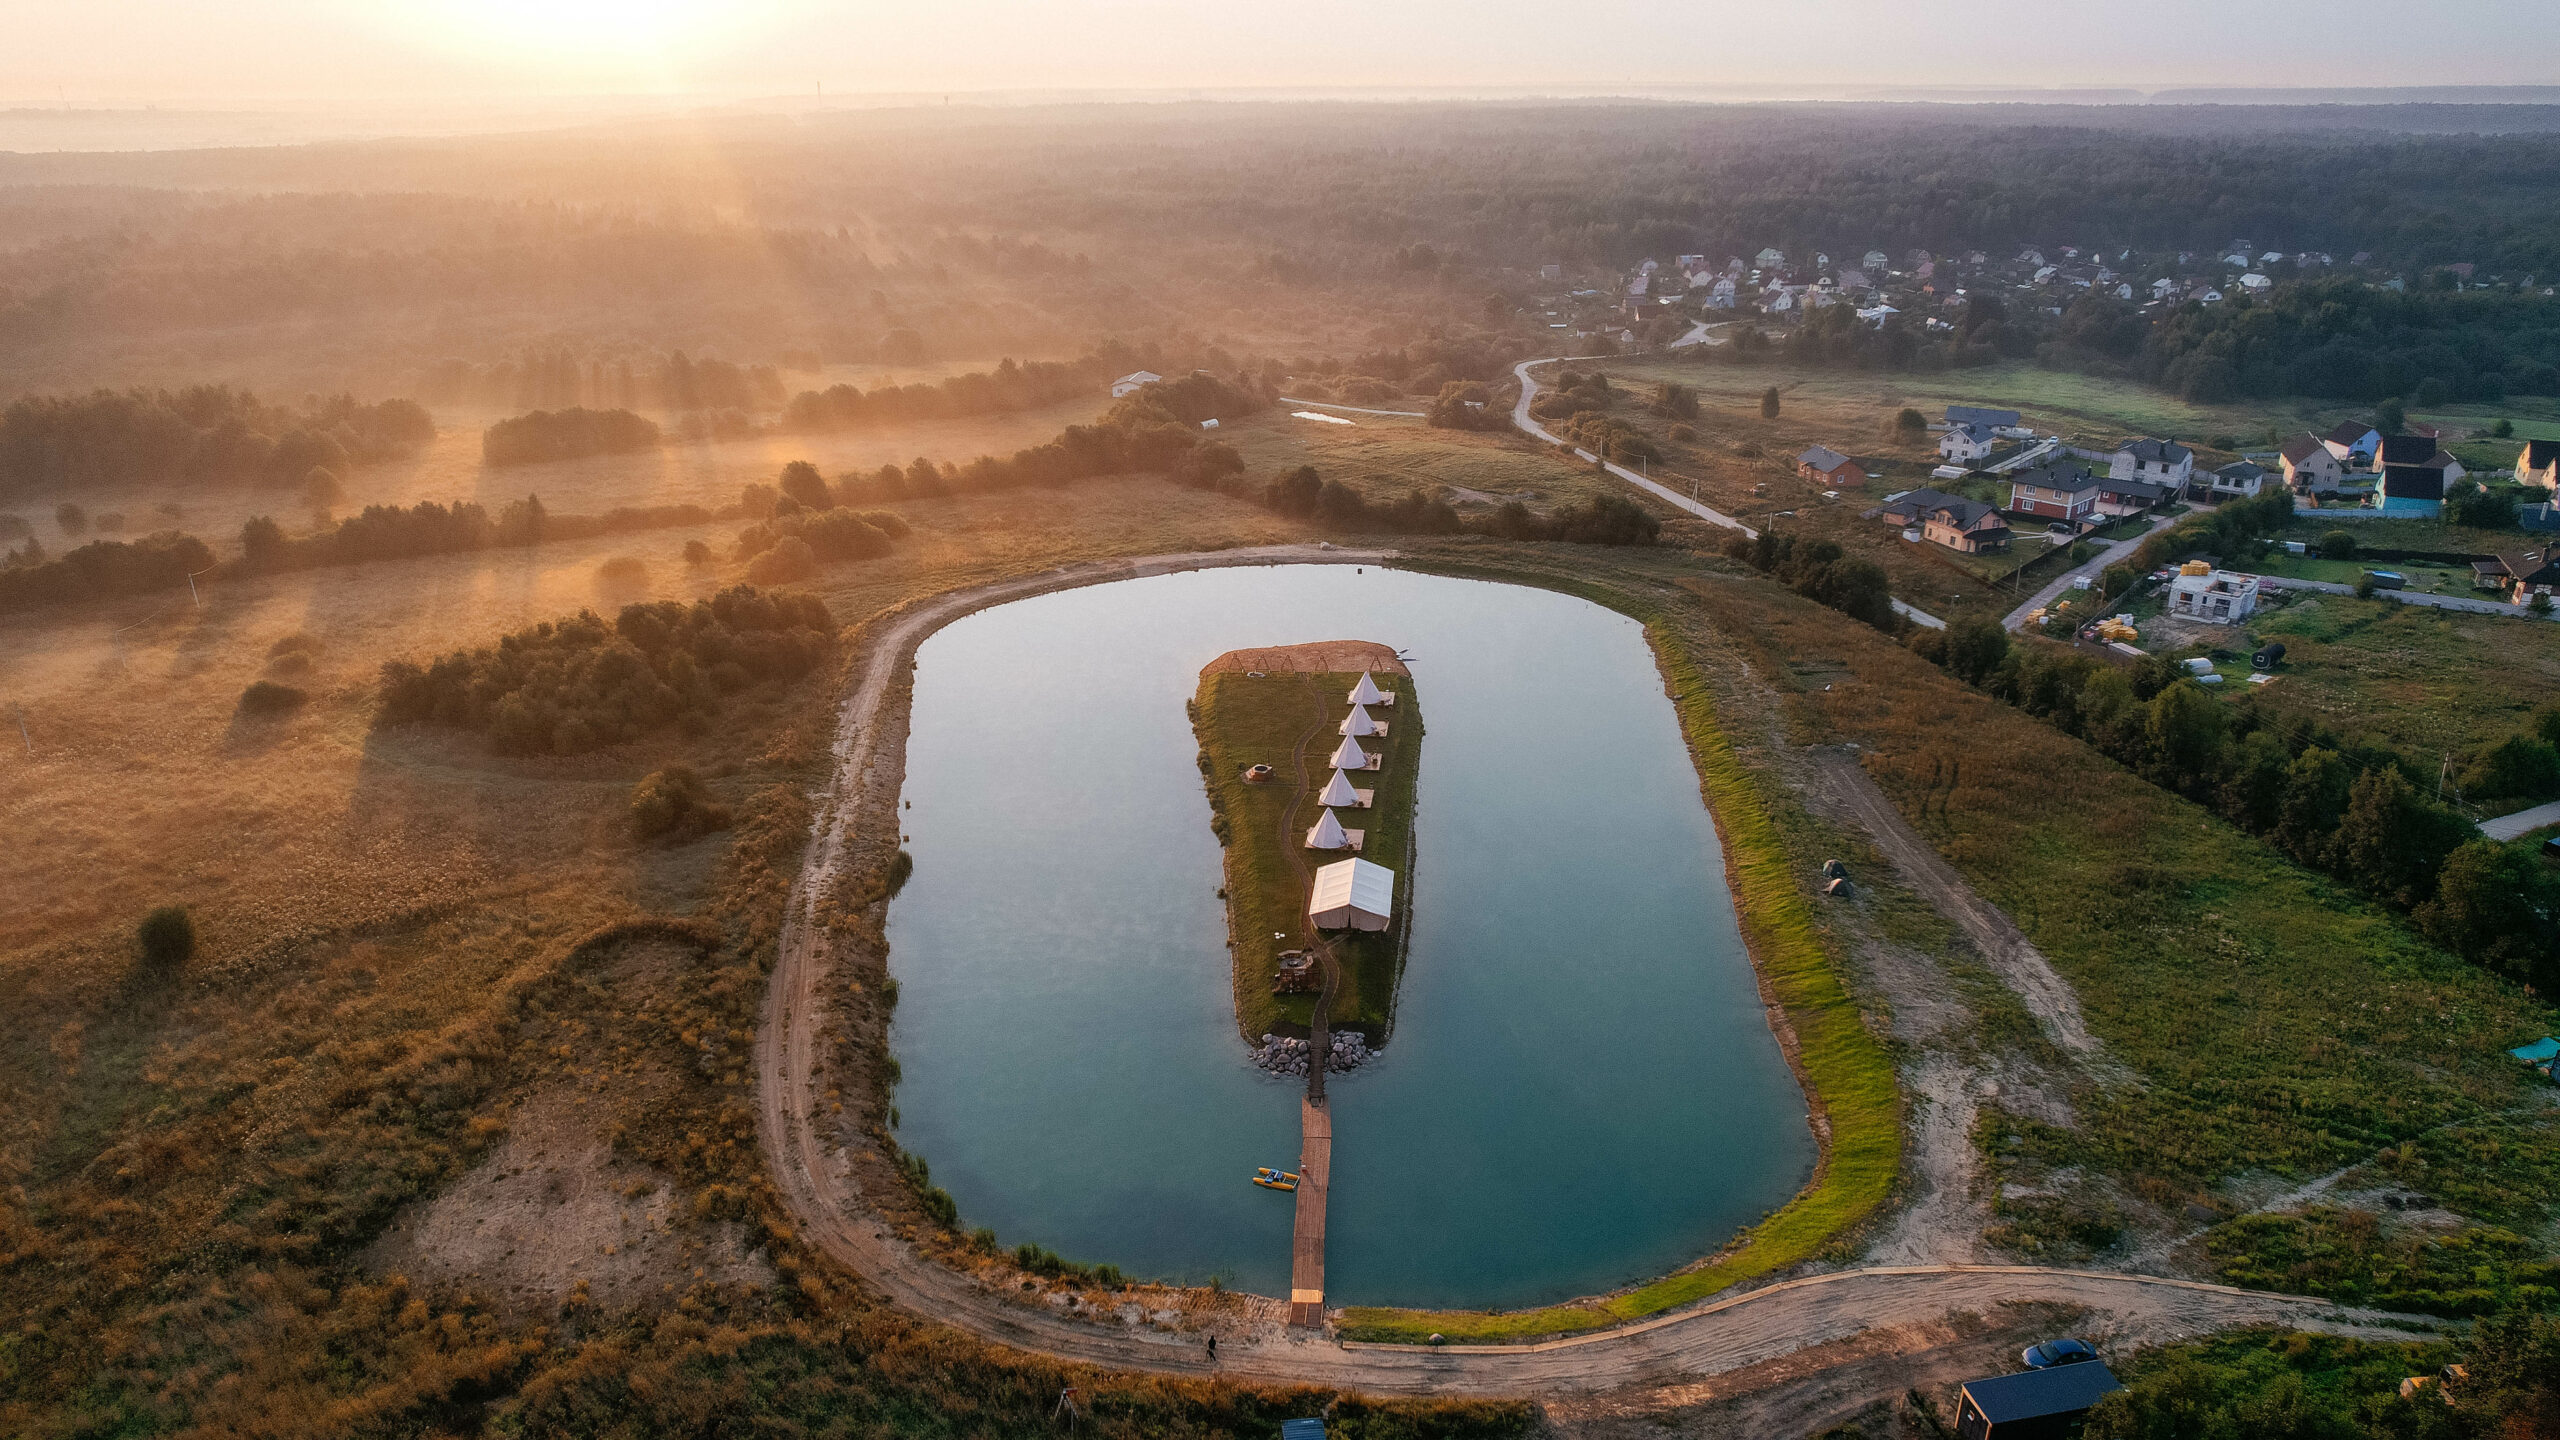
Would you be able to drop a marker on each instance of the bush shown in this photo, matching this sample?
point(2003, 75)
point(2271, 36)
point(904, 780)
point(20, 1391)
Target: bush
point(673, 804)
point(1769, 403)
point(696, 553)
point(166, 938)
point(565, 435)
point(802, 482)
point(2336, 545)
point(293, 654)
point(623, 572)
point(266, 697)
point(791, 559)
point(1684, 434)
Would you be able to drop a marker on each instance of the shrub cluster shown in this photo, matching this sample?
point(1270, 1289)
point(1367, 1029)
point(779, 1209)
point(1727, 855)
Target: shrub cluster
point(390, 532)
point(566, 435)
point(1817, 570)
point(208, 434)
point(266, 697)
point(792, 544)
point(2352, 810)
point(674, 805)
point(1302, 492)
point(579, 684)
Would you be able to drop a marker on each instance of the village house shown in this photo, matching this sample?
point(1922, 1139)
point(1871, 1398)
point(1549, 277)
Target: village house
point(2519, 575)
point(2119, 498)
point(2353, 442)
point(1949, 520)
point(2056, 490)
point(1829, 468)
point(2238, 480)
point(2538, 463)
point(1976, 415)
point(2162, 462)
point(1876, 260)
point(2310, 467)
point(2412, 480)
point(2216, 597)
point(1965, 444)
point(1770, 259)
point(1721, 295)
point(1134, 380)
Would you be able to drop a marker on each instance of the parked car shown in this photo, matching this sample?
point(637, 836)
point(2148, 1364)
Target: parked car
point(2046, 1354)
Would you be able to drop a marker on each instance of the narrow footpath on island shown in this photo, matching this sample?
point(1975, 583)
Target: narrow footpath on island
point(815, 1179)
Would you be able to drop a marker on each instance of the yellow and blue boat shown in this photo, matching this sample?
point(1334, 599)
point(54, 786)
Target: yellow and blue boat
point(1270, 1179)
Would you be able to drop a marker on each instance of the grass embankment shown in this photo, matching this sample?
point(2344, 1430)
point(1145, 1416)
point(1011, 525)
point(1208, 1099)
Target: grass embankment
point(1241, 721)
point(1847, 1074)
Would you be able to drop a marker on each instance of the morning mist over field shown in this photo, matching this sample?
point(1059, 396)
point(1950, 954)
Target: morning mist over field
point(1414, 722)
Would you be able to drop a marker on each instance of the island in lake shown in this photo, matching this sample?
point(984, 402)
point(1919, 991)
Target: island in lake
point(1310, 753)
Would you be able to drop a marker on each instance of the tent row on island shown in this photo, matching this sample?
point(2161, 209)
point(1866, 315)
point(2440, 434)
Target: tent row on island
point(1351, 894)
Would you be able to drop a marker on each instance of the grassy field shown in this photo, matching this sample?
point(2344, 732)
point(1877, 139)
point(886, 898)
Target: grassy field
point(2419, 679)
point(1383, 457)
point(1243, 720)
point(2421, 576)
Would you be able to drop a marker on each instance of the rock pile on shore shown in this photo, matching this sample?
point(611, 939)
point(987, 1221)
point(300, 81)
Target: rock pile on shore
point(1284, 1056)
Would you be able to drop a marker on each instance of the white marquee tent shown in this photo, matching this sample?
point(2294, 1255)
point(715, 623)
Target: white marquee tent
point(1349, 756)
point(1368, 693)
point(1338, 791)
point(1327, 834)
point(1352, 895)
point(1358, 722)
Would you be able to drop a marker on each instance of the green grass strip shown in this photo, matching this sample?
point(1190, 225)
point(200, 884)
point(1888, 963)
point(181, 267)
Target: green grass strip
point(1849, 1076)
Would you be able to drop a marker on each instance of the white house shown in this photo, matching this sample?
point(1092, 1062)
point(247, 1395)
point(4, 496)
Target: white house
point(2239, 480)
point(1876, 260)
point(1721, 295)
point(2311, 467)
point(2162, 462)
point(2253, 282)
point(1965, 444)
point(2216, 597)
point(1352, 895)
point(1770, 258)
point(2163, 288)
point(1134, 380)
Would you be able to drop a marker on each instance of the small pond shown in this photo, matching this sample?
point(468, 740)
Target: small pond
point(1581, 1089)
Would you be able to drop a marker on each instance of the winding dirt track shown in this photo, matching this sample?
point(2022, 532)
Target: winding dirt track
point(816, 1182)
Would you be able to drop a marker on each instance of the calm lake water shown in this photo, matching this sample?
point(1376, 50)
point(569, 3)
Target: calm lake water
point(1581, 1089)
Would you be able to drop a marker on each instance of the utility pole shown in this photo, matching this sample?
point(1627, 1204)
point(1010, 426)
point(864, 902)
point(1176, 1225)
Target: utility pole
point(191, 584)
point(22, 729)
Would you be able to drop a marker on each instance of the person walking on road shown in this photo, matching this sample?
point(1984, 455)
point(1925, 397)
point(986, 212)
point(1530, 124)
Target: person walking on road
point(1213, 1349)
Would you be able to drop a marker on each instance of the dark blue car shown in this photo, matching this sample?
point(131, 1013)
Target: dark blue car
point(2049, 1353)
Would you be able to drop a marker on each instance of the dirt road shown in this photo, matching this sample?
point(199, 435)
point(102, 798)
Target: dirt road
point(817, 1183)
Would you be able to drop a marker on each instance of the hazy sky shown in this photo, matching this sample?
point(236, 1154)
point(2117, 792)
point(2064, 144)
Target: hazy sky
point(232, 52)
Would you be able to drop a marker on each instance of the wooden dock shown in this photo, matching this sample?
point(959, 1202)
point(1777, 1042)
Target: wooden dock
point(1306, 1241)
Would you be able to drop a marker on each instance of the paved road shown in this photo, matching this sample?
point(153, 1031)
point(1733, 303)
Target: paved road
point(2092, 566)
point(1520, 417)
point(815, 1179)
point(2508, 827)
point(1354, 409)
point(2405, 597)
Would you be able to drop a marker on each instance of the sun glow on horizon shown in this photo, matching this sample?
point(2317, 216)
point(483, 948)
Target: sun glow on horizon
point(584, 33)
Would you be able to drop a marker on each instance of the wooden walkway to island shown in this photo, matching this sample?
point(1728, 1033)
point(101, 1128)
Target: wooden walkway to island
point(1306, 1240)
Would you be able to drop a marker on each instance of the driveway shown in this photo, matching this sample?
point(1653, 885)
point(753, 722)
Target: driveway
point(2091, 567)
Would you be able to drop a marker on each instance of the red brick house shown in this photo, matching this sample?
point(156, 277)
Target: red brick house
point(1828, 467)
point(2056, 490)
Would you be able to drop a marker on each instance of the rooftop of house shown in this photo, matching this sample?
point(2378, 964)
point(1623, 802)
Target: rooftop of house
point(1822, 457)
point(2067, 476)
point(2156, 452)
point(2406, 450)
point(1976, 415)
point(2302, 447)
point(2349, 433)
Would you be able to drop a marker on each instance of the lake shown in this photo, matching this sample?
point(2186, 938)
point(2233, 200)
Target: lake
point(1581, 1089)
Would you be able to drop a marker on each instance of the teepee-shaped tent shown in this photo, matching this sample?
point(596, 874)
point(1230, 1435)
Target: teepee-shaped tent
point(1358, 722)
point(1338, 791)
point(1328, 834)
point(1367, 692)
point(1349, 756)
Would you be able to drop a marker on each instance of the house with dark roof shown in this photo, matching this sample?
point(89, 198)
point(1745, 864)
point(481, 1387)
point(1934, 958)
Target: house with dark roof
point(2521, 574)
point(1949, 520)
point(2162, 462)
point(2538, 463)
point(1976, 415)
point(1966, 444)
point(2056, 490)
point(2032, 1404)
point(2117, 498)
point(2353, 442)
point(2412, 479)
point(1825, 466)
point(2310, 467)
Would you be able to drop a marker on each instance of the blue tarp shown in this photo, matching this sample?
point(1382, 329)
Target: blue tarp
point(2537, 1052)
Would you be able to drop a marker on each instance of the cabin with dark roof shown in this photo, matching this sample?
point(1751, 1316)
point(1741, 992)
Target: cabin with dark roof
point(2032, 1404)
point(1825, 466)
point(2056, 490)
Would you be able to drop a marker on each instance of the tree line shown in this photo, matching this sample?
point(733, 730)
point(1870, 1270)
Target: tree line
point(201, 435)
point(1009, 387)
point(2356, 810)
point(575, 685)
